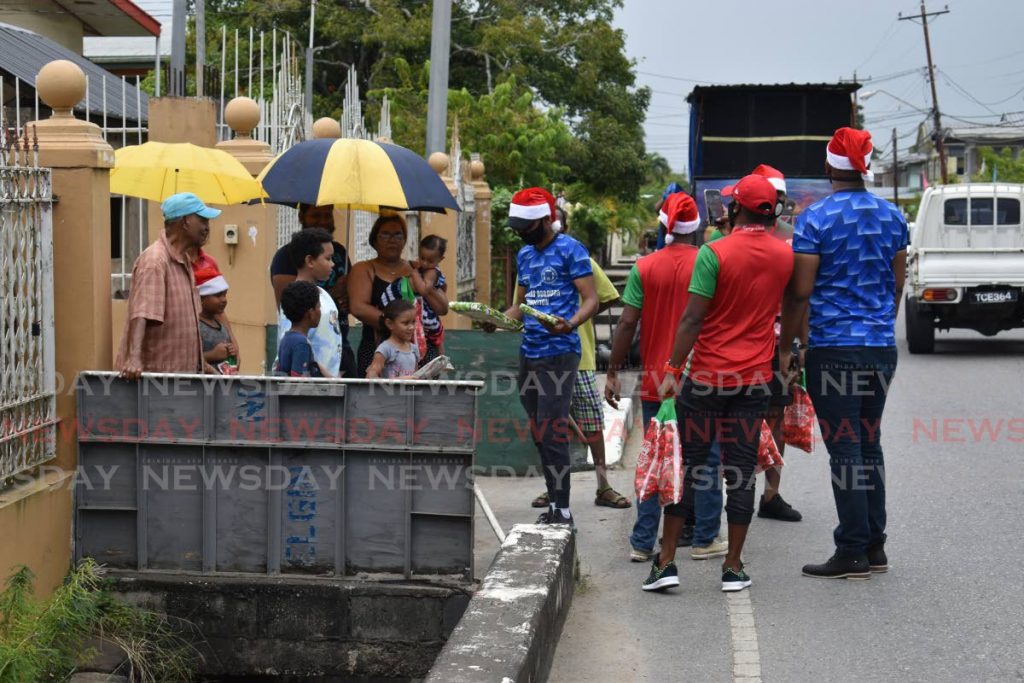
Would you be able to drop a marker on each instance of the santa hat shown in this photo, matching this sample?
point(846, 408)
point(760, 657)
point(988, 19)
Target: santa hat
point(530, 204)
point(208, 276)
point(679, 215)
point(773, 175)
point(850, 150)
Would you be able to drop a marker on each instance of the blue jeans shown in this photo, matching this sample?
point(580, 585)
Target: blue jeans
point(848, 387)
point(707, 502)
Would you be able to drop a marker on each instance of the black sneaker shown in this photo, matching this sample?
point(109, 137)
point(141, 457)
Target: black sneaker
point(840, 568)
point(779, 509)
point(660, 579)
point(545, 517)
point(734, 579)
point(878, 563)
point(556, 517)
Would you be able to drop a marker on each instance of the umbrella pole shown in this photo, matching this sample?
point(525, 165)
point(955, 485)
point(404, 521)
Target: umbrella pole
point(348, 230)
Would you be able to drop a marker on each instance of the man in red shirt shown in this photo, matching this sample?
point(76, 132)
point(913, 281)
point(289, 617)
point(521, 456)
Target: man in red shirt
point(655, 296)
point(735, 290)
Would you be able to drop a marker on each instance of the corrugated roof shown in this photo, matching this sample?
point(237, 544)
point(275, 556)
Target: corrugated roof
point(23, 53)
point(983, 134)
point(815, 87)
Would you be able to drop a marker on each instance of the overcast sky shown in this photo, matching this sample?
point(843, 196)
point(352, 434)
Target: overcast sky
point(978, 49)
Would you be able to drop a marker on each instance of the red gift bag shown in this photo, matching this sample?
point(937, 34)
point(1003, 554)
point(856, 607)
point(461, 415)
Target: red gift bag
point(798, 421)
point(768, 455)
point(659, 465)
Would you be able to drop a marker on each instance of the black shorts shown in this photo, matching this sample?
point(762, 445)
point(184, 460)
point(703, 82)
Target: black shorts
point(779, 396)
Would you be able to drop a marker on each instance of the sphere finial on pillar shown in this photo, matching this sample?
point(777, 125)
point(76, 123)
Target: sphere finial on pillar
point(242, 114)
point(476, 170)
point(326, 127)
point(61, 85)
point(439, 162)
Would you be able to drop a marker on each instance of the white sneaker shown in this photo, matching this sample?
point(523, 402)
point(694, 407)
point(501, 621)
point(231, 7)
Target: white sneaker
point(640, 555)
point(717, 548)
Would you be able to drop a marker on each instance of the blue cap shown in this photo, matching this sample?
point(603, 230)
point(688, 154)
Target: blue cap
point(186, 204)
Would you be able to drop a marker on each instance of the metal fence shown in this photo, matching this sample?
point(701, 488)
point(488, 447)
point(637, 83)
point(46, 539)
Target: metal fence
point(272, 475)
point(27, 378)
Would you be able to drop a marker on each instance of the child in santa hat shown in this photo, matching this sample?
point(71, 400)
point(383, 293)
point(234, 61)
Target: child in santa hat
point(220, 350)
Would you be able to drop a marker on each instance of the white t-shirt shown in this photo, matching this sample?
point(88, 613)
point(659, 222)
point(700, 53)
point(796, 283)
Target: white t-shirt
point(326, 337)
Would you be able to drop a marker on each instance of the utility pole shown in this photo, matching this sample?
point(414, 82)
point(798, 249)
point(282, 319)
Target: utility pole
point(895, 172)
point(437, 98)
point(940, 144)
point(309, 63)
point(176, 86)
point(200, 46)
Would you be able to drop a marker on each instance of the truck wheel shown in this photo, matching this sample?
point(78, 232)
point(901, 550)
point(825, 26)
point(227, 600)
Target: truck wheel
point(920, 328)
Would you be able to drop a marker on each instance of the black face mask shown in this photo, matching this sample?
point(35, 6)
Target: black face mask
point(534, 235)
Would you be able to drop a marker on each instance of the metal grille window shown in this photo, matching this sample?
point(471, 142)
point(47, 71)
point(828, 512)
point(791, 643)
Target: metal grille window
point(27, 399)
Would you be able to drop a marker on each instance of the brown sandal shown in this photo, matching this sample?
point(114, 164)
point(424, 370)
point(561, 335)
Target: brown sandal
point(541, 501)
point(614, 500)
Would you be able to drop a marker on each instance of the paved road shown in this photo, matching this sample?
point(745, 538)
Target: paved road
point(950, 609)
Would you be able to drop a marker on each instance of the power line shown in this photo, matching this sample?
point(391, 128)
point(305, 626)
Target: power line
point(939, 144)
point(972, 98)
point(676, 78)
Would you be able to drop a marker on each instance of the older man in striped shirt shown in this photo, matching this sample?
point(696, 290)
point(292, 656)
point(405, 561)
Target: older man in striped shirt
point(161, 332)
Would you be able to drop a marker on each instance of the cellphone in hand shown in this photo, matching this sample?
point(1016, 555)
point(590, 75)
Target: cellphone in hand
point(715, 207)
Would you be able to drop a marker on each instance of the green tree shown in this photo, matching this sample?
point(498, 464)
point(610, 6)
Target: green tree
point(1008, 167)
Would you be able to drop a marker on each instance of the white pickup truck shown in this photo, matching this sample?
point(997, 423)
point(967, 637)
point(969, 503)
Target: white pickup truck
point(965, 263)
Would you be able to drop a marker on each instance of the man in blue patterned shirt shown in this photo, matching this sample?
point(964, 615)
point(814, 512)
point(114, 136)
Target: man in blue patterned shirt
point(849, 265)
point(555, 278)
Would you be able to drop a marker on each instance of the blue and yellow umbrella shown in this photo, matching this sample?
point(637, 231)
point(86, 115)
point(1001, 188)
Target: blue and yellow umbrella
point(355, 174)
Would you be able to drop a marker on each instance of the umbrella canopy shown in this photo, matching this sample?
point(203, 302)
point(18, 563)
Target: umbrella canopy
point(156, 170)
point(355, 174)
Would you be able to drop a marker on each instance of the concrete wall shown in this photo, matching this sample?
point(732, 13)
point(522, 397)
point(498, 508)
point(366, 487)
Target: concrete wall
point(317, 627)
point(35, 516)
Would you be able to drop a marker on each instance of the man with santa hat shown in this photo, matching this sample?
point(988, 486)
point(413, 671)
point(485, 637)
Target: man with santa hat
point(772, 505)
point(655, 296)
point(734, 296)
point(556, 279)
point(849, 267)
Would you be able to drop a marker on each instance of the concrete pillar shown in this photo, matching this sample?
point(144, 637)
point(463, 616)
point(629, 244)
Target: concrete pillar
point(245, 265)
point(81, 161)
point(35, 518)
point(179, 119)
point(329, 128)
point(483, 196)
point(446, 226)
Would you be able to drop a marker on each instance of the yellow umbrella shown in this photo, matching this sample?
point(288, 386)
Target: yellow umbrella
point(156, 170)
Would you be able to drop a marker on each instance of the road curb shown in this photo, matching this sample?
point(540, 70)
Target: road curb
point(511, 627)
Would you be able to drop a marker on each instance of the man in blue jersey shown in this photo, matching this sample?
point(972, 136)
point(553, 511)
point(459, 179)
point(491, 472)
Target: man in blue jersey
point(851, 250)
point(556, 279)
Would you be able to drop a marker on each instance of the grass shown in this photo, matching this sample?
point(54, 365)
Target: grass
point(46, 640)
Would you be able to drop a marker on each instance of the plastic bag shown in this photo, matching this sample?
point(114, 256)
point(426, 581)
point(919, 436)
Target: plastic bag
point(420, 337)
point(798, 421)
point(659, 469)
point(768, 455)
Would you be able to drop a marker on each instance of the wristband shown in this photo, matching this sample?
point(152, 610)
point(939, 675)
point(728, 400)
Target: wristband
point(675, 372)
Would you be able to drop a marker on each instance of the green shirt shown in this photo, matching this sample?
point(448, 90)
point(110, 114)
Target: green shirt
point(705, 273)
point(633, 294)
point(605, 292)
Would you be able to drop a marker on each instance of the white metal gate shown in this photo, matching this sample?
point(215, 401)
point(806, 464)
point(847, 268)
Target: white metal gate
point(27, 397)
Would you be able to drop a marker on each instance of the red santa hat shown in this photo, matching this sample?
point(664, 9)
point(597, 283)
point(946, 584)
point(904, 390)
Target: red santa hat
point(530, 204)
point(773, 175)
point(679, 215)
point(209, 279)
point(850, 150)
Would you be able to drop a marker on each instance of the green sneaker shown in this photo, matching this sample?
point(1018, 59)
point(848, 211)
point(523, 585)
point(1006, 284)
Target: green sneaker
point(660, 579)
point(734, 579)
